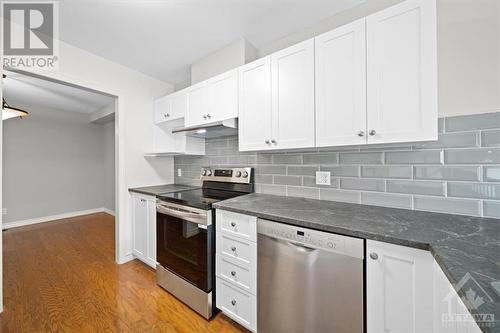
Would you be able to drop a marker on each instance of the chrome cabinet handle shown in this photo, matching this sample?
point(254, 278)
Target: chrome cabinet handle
point(233, 248)
point(233, 224)
point(374, 256)
point(233, 273)
point(267, 141)
point(372, 132)
point(233, 302)
point(361, 133)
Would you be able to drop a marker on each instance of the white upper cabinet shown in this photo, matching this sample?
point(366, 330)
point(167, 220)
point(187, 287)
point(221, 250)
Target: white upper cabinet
point(292, 90)
point(197, 105)
point(399, 288)
point(213, 100)
point(402, 73)
point(170, 107)
point(223, 92)
point(341, 86)
point(255, 114)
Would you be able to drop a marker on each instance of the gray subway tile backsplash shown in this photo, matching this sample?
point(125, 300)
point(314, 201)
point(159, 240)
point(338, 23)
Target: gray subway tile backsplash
point(471, 173)
point(473, 122)
point(452, 140)
point(287, 159)
point(386, 199)
point(414, 157)
point(371, 171)
point(448, 205)
point(490, 138)
point(491, 209)
point(366, 184)
point(474, 190)
point(416, 187)
point(472, 156)
point(452, 175)
point(361, 158)
point(303, 170)
point(491, 173)
point(288, 180)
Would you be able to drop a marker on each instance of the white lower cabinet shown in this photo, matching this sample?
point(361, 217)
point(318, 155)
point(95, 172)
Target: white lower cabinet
point(144, 228)
point(407, 291)
point(398, 288)
point(236, 267)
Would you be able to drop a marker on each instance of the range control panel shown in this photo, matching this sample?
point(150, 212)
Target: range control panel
point(229, 175)
point(312, 238)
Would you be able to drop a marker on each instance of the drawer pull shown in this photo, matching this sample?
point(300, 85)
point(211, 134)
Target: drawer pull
point(233, 224)
point(233, 248)
point(233, 302)
point(233, 273)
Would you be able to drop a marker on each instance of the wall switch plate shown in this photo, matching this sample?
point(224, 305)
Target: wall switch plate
point(179, 172)
point(323, 178)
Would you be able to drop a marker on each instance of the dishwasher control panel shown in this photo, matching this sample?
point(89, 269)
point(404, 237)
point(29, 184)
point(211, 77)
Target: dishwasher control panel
point(313, 238)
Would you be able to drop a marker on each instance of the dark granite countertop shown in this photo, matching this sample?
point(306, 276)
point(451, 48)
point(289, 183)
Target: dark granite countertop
point(460, 244)
point(160, 189)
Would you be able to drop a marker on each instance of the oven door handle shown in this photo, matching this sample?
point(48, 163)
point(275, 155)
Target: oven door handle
point(183, 214)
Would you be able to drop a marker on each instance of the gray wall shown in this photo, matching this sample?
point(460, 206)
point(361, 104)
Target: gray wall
point(109, 165)
point(458, 174)
point(53, 163)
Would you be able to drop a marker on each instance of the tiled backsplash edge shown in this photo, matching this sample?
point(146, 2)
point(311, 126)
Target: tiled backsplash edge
point(459, 174)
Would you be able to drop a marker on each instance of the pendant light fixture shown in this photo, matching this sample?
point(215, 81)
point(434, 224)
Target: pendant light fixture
point(10, 111)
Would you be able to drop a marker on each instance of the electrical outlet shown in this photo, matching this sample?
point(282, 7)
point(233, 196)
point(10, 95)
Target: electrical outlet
point(179, 172)
point(4, 211)
point(323, 178)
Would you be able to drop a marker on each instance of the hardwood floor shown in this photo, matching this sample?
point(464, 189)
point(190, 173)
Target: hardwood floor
point(61, 277)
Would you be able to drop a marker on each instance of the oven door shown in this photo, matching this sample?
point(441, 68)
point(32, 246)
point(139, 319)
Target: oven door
point(184, 242)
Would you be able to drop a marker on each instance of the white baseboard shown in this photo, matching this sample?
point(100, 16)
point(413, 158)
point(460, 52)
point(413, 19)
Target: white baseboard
point(108, 211)
point(21, 223)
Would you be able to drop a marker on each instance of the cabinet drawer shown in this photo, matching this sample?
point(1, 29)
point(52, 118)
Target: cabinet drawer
point(243, 252)
point(244, 226)
point(236, 304)
point(239, 275)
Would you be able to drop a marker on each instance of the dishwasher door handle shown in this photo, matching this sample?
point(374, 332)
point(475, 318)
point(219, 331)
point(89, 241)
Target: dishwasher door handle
point(294, 245)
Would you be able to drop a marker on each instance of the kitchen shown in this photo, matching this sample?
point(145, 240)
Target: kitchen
point(338, 181)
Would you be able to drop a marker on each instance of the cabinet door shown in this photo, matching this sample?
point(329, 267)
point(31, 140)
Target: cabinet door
point(162, 109)
point(341, 86)
point(255, 120)
point(293, 96)
point(402, 73)
point(178, 105)
point(398, 288)
point(140, 226)
point(151, 230)
point(197, 105)
point(223, 94)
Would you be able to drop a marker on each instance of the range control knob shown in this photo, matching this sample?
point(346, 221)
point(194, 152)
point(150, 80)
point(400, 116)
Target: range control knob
point(209, 172)
point(203, 172)
point(245, 174)
point(238, 174)
point(330, 245)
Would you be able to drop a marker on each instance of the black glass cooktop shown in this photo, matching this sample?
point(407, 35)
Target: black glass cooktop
point(199, 198)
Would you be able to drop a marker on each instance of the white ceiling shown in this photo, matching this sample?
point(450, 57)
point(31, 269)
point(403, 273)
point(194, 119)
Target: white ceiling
point(20, 88)
point(162, 38)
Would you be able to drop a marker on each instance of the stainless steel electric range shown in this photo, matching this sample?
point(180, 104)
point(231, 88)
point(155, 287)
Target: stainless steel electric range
point(185, 236)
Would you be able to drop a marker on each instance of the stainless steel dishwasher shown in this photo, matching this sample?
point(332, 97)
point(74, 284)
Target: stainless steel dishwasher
point(308, 281)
